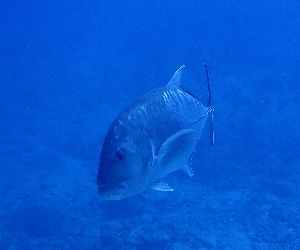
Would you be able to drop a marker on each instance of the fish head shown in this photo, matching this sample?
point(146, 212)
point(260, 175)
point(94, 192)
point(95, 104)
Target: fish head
point(125, 157)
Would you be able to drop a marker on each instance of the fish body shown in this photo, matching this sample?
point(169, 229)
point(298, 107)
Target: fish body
point(152, 137)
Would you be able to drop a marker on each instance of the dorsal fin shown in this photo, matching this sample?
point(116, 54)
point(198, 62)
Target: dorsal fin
point(176, 79)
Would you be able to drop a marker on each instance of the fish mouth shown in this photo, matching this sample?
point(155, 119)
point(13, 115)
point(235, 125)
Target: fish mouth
point(112, 192)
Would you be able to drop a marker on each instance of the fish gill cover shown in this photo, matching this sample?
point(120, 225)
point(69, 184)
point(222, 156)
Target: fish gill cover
point(69, 67)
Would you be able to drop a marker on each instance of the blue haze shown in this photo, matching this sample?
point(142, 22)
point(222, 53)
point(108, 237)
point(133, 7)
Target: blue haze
point(68, 67)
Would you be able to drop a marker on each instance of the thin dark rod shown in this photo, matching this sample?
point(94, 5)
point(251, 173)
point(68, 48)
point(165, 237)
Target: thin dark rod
point(208, 84)
point(209, 104)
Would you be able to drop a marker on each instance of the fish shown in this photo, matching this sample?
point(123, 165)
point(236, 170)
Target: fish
point(152, 137)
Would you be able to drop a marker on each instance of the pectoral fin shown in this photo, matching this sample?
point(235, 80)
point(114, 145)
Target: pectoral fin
point(188, 170)
point(162, 186)
point(177, 149)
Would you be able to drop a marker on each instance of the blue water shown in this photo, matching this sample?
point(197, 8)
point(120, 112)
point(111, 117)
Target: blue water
point(68, 67)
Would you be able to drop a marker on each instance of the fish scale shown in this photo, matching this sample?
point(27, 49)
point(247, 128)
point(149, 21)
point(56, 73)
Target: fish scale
point(166, 102)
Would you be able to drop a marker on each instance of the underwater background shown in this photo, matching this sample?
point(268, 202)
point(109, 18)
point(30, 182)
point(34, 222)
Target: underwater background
point(68, 67)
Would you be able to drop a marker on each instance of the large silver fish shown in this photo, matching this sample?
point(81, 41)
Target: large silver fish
point(152, 137)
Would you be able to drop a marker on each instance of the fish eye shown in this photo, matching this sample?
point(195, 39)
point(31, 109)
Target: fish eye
point(120, 155)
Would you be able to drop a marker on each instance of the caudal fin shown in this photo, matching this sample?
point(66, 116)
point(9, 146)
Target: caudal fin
point(210, 107)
